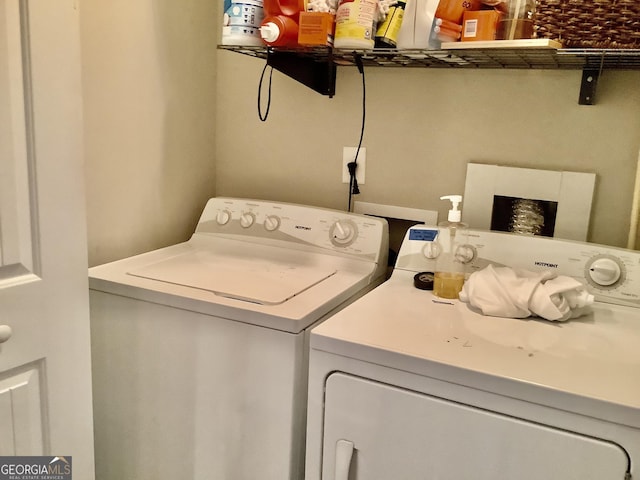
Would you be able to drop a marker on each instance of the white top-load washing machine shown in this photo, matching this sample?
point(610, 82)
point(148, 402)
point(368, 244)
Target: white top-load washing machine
point(200, 349)
point(406, 385)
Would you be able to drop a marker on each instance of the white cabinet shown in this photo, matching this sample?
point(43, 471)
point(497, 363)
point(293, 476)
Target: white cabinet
point(400, 434)
point(182, 395)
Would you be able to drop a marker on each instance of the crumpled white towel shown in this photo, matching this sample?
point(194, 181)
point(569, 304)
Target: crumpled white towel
point(508, 292)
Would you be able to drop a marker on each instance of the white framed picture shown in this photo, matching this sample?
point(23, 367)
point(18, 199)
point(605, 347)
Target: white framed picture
point(528, 201)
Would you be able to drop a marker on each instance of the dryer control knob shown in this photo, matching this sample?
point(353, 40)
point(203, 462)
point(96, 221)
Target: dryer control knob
point(5, 333)
point(272, 223)
point(223, 217)
point(431, 250)
point(343, 233)
point(247, 219)
point(604, 271)
point(465, 253)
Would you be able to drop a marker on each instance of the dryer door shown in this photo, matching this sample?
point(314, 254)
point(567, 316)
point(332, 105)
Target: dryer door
point(374, 431)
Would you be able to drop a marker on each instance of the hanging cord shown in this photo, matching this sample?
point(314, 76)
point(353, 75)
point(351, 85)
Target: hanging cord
point(266, 113)
point(353, 166)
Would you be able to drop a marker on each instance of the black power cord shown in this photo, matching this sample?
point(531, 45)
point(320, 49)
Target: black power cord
point(353, 166)
point(263, 117)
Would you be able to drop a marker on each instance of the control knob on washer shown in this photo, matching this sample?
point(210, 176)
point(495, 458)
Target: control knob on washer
point(271, 223)
point(5, 333)
point(247, 219)
point(343, 233)
point(223, 217)
point(604, 271)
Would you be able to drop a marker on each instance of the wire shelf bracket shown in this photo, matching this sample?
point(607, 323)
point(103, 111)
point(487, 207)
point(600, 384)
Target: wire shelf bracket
point(315, 72)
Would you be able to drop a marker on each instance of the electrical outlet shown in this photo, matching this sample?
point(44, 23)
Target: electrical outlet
point(348, 156)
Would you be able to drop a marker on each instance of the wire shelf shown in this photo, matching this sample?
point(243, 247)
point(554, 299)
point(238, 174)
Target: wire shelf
point(514, 58)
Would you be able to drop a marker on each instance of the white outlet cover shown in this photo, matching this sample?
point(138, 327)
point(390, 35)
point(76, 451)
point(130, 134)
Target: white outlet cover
point(348, 156)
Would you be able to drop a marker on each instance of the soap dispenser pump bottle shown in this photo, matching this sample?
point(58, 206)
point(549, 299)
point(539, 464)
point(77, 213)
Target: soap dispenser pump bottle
point(450, 268)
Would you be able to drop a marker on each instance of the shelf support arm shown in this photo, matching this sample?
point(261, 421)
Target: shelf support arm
point(316, 72)
point(589, 84)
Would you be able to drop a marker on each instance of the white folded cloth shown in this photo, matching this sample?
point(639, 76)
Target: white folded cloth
point(508, 292)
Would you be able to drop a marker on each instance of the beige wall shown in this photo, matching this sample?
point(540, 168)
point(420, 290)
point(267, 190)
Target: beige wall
point(423, 126)
point(149, 96)
point(171, 121)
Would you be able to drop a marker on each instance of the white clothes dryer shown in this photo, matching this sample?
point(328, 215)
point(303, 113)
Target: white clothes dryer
point(200, 350)
point(406, 385)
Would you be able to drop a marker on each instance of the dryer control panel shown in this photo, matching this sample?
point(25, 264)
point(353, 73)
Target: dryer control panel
point(299, 226)
point(611, 274)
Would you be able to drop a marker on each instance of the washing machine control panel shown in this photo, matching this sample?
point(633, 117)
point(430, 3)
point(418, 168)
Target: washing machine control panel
point(302, 226)
point(610, 274)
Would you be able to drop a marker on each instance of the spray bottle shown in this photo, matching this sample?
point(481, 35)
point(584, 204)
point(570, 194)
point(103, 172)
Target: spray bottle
point(450, 268)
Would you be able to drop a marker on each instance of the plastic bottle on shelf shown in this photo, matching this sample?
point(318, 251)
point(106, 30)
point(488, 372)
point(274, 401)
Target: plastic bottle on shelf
point(450, 267)
point(280, 25)
point(452, 10)
point(355, 24)
point(289, 8)
point(387, 33)
point(518, 22)
point(279, 31)
point(241, 23)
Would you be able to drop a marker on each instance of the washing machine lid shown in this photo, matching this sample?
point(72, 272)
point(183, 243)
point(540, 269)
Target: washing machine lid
point(248, 278)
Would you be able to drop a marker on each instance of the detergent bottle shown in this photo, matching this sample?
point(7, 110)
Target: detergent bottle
point(450, 265)
point(279, 31)
point(280, 25)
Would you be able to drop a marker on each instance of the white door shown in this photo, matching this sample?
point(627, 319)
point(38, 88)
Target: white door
point(374, 431)
point(45, 371)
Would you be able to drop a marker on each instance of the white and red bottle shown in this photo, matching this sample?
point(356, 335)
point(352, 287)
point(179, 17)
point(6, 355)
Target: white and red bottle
point(280, 25)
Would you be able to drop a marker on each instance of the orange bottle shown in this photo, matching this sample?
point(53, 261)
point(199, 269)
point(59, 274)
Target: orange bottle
point(452, 10)
point(290, 8)
point(279, 31)
point(280, 25)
